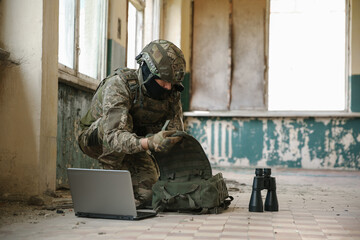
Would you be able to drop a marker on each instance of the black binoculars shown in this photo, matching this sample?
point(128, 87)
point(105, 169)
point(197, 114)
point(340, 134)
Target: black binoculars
point(262, 180)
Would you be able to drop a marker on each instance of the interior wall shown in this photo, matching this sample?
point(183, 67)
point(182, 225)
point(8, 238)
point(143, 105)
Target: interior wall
point(28, 97)
point(229, 55)
point(117, 11)
point(312, 143)
point(211, 56)
point(186, 31)
point(248, 53)
point(300, 142)
point(117, 31)
point(73, 104)
point(354, 77)
point(172, 21)
point(49, 93)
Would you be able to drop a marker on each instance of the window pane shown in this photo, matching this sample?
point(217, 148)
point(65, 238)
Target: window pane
point(135, 35)
point(139, 32)
point(156, 19)
point(66, 32)
point(307, 55)
point(131, 44)
point(90, 39)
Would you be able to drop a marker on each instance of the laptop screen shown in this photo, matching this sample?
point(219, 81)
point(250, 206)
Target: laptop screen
point(101, 191)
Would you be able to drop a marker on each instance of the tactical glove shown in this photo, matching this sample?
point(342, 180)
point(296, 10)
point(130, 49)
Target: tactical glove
point(163, 141)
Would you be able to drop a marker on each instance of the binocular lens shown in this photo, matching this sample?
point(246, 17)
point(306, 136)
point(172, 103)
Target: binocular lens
point(258, 171)
point(267, 171)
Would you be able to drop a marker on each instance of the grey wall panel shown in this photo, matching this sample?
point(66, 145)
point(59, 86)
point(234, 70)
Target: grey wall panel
point(116, 56)
point(211, 59)
point(248, 54)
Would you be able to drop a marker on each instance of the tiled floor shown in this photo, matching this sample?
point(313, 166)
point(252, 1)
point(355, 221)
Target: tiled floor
point(312, 205)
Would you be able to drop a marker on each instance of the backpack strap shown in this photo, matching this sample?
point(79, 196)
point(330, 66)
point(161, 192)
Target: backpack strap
point(189, 174)
point(171, 198)
point(216, 210)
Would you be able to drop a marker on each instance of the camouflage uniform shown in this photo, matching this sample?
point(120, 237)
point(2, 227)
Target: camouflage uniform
point(122, 113)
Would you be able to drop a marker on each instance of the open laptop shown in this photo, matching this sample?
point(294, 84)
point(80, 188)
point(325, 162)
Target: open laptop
point(102, 193)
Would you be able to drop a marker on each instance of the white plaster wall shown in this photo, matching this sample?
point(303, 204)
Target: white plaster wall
point(28, 99)
point(117, 9)
point(20, 95)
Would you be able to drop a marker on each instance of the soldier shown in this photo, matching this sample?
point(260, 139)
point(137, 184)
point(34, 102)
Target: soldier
point(128, 112)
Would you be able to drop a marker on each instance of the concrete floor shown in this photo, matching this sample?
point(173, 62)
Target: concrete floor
point(313, 204)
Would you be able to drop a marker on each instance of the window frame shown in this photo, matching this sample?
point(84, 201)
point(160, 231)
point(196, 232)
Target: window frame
point(320, 113)
point(346, 59)
point(72, 76)
point(139, 7)
point(287, 113)
point(156, 19)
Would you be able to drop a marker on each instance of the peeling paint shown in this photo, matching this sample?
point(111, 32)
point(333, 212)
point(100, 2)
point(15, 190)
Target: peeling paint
point(289, 142)
point(347, 140)
point(219, 135)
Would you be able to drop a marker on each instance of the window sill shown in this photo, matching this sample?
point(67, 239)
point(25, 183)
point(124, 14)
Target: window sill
point(81, 81)
point(272, 114)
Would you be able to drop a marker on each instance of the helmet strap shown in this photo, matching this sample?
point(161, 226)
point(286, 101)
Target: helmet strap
point(142, 82)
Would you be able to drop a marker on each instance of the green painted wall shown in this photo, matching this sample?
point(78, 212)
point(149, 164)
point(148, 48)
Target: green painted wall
point(116, 56)
point(281, 142)
point(185, 95)
point(72, 105)
point(355, 93)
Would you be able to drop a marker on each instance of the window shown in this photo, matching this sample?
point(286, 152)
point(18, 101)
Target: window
point(135, 35)
point(82, 28)
point(66, 32)
point(307, 55)
point(270, 55)
point(156, 19)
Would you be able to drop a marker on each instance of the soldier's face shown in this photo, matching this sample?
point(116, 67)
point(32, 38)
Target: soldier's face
point(164, 84)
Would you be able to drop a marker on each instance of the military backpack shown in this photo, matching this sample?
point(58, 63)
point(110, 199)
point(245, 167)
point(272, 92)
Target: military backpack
point(186, 183)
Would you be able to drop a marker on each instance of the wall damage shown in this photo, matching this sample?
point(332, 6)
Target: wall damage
point(72, 105)
point(285, 142)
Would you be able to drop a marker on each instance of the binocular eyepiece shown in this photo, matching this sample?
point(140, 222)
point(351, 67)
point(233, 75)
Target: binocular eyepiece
point(263, 180)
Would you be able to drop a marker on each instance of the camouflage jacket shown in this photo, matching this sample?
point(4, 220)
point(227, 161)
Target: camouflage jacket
point(123, 114)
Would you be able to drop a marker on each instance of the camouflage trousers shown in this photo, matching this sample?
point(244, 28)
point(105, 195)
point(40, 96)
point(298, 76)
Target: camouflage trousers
point(142, 167)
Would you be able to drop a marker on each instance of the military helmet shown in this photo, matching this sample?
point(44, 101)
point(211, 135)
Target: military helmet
point(164, 60)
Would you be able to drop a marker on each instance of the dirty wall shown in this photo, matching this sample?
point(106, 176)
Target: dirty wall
point(279, 142)
point(72, 105)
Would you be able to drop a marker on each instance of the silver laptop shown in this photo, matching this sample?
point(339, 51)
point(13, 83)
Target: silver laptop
point(101, 193)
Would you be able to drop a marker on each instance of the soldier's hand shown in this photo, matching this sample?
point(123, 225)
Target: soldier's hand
point(163, 141)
